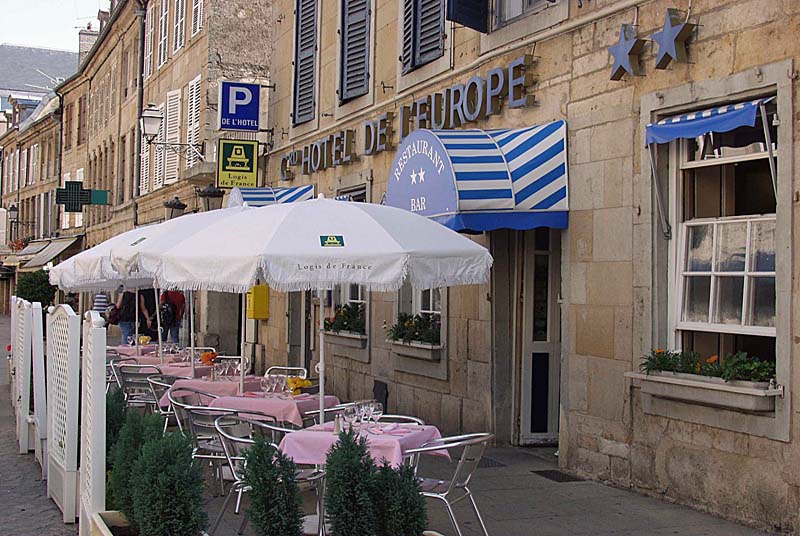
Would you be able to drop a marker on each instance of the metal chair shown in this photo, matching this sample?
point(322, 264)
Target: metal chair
point(198, 351)
point(313, 415)
point(299, 372)
point(111, 371)
point(159, 385)
point(236, 361)
point(204, 438)
point(133, 380)
point(237, 434)
point(456, 489)
point(401, 419)
point(186, 397)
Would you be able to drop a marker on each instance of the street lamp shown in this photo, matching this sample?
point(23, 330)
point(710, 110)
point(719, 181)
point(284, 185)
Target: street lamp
point(13, 213)
point(211, 196)
point(150, 122)
point(173, 208)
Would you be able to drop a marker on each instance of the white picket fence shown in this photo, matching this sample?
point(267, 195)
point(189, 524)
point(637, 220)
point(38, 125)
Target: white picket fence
point(63, 362)
point(39, 387)
point(93, 421)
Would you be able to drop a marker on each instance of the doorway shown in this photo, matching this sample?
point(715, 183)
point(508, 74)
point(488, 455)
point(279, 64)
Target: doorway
point(540, 374)
point(300, 330)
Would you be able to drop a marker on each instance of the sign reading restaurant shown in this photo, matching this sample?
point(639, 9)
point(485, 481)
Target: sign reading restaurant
point(453, 107)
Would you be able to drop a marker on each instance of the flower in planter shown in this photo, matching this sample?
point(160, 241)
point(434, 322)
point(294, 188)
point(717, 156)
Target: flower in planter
point(348, 317)
point(423, 327)
point(737, 366)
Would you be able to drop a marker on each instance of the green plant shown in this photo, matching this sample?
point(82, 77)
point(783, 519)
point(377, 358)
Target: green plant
point(35, 287)
point(739, 366)
point(137, 430)
point(116, 410)
point(425, 327)
point(399, 505)
point(348, 317)
point(274, 495)
point(349, 487)
point(167, 489)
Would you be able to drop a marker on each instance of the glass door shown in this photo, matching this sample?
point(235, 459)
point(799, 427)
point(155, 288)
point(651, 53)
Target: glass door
point(541, 345)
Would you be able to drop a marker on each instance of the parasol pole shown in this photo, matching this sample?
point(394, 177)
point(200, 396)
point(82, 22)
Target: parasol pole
point(244, 319)
point(136, 320)
point(158, 323)
point(321, 364)
point(191, 329)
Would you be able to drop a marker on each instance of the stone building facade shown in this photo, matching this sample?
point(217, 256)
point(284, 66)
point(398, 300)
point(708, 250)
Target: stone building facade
point(549, 350)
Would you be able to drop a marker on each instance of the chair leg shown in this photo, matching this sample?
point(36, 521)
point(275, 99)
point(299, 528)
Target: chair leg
point(452, 517)
point(243, 525)
point(321, 508)
point(477, 513)
point(221, 477)
point(221, 513)
point(166, 422)
point(238, 501)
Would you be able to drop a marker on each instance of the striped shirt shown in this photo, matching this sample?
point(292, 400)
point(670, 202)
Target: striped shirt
point(100, 303)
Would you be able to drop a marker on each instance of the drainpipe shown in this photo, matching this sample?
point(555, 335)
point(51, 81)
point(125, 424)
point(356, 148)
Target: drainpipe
point(141, 12)
point(59, 149)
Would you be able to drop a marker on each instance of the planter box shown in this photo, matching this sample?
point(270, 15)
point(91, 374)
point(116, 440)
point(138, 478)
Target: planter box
point(347, 338)
point(103, 521)
point(738, 395)
point(418, 350)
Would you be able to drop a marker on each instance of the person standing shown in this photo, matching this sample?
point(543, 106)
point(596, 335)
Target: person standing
point(100, 303)
point(173, 303)
point(126, 305)
point(147, 313)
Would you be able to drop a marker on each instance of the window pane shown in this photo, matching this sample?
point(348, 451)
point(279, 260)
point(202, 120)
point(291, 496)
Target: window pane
point(437, 299)
point(729, 300)
point(355, 293)
point(762, 246)
point(426, 300)
point(698, 291)
point(753, 189)
point(542, 238)
point(763, 294)
point(510, 9)
point(700, 244)
point(731, 244)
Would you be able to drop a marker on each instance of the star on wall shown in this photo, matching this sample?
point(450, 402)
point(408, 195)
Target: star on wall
point(672, 39)
point(421, 175)
point(413, 177)
point(626, 53)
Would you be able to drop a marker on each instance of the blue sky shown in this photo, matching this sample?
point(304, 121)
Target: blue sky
point(47, 23)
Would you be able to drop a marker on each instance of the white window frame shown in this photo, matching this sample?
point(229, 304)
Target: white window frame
point(148, 41)
point(197, 16)
point(347, 295)
point(180, 25)
point(420, 305)
point(528, 8)
point(163, 33)
point(193, 117)
point(679, 164)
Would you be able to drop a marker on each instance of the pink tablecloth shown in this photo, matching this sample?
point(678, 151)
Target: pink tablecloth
point(226, 387)
point(131, 350)
point(153, 359)
point(310, 445)
point(284, 409)
point(185, 369)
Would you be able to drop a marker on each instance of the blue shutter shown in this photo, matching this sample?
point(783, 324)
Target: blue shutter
point(407, 54)
point(471, 13)
point(305, 61)
point(354, 65)
point(429, 34)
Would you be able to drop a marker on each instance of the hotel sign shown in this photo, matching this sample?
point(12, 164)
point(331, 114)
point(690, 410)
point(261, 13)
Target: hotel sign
point(453, 107)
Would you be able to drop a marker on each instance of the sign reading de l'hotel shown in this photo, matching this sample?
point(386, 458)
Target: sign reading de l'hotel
point(455, 106)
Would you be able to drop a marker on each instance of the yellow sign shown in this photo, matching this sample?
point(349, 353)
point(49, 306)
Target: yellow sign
point(257, 302)
point(237, 163)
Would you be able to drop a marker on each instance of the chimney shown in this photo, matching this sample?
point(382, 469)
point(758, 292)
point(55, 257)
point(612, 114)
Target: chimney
point(103, 16)
point(86, 39)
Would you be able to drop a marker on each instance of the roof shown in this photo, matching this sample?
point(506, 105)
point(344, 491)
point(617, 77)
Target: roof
point(20, 66)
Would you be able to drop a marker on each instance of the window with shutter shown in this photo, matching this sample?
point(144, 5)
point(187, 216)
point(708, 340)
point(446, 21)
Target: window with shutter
point(197, 16)
point(158, 154)
point(144, 177)
point(423, 33)
point(354, 73)
point(305, 61)
point(148, 42)
point(180, 25)
point(172, 134)
point(192, 119)
point(163, 33)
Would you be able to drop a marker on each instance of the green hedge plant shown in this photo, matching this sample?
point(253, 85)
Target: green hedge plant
point(425, 327)
point(116, 409)
point(274, 496)
point(36, 287)
point(400, 507)
point(349, 317)
point(350, 474)
point(138, 429)
point(167, 489)
point(737, 366)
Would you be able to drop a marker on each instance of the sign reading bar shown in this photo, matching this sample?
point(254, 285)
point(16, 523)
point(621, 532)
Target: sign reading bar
point(237, 164)
point(238, 106)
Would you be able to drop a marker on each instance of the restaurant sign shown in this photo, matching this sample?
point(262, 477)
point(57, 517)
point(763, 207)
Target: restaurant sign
point(237, 164)
point(453, 107)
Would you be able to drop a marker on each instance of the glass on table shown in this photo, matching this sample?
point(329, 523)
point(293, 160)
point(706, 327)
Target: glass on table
point(377, 411)
point(131, 340)
point(350, 414)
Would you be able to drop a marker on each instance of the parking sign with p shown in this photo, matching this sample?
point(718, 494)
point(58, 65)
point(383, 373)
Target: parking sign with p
point(238, 106)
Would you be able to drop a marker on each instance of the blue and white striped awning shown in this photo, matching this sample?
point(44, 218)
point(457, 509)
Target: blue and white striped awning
point(480, 180)
point(720, 119)
point(259, 197)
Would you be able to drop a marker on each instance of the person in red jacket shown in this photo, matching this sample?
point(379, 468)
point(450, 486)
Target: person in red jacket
point(173, 305)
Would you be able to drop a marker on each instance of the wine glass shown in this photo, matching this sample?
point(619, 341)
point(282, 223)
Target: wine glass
point(131, 340)
point(265, 384)
point(366, 412)
point(350, 414)
point(377, 412)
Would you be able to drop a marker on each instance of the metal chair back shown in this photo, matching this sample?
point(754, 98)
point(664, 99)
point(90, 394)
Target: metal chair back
point(200, 421)
point(183, 398)
point(299, 372)
point(159, 385)
point(401, 419)
point(237, 434)
point(111, 369)
point(473, 446)
point(313, 415)
point(133, 379)
point(236, 361)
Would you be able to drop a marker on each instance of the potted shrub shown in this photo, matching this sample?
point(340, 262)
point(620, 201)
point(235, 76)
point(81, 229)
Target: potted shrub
point(737, 382)
point(36, 287)
point(274, 495)
point(167, 489)
point(399, 505)
point(347, 326)
point(349, 506)
point(417, 336)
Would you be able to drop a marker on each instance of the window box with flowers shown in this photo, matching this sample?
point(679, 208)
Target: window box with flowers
point(348, 326)
point(417, 336)
point(736, 382)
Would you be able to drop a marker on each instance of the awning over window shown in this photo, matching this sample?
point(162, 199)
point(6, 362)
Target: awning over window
point(481, 180)
point(720, 119)
point(55, 248)
point(33, 248)
point(259, 197)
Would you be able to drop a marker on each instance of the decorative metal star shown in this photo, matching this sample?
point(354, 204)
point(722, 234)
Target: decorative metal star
point(626, 53)
point(672, 39)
